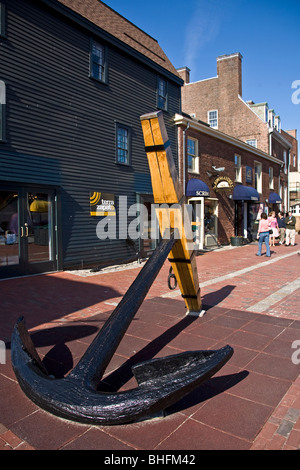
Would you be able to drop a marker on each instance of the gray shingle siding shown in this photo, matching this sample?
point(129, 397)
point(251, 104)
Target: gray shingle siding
point(61, 124)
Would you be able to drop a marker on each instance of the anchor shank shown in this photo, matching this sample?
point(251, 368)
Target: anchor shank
point(92, 365)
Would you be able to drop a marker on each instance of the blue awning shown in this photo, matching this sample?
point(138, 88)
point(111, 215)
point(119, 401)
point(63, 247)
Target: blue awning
point(196, 187)
point(274, 198)
point(245, 193)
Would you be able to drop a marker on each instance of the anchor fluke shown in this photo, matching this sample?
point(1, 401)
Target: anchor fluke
point(161, 383)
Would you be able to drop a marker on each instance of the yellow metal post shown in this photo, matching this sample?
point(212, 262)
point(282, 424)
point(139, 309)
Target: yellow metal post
point(168, 193)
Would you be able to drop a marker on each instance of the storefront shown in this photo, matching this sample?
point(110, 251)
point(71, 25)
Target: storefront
point(204, 213)
point(274, 202)
point(28, 235)
point(247, 212)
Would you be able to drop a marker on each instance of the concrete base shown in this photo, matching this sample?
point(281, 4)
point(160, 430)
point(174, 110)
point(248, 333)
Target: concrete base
point(196, 314)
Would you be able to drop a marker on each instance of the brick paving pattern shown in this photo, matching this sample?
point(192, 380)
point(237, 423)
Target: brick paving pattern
point(251, 303)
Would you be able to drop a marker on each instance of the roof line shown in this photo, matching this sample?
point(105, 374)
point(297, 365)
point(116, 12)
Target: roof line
point(128, 21)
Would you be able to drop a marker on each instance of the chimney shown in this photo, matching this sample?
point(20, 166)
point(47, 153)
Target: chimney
point(229, 69)
point(184, 73)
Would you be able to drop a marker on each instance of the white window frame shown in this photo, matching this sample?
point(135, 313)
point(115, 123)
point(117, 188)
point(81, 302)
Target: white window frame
point(285, 161)
point(238, 168)
point(271, 177)
point(252, 142)
point(213, 120)
point(194, 156)
point(258, 177)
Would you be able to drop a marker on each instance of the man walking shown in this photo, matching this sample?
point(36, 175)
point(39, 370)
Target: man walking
point(290, 222)
point(281, 227)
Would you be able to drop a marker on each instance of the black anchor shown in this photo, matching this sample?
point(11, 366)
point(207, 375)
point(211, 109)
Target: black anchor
point(161, 381)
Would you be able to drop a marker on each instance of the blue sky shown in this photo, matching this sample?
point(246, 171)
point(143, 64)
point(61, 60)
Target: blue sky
point(195, 32)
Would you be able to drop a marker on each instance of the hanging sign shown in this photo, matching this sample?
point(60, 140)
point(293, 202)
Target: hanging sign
point(102, 204)
point(248, 174)
point(223, 183)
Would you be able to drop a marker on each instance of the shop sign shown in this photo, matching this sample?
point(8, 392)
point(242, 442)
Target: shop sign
point(102, 204)
point(223, 183)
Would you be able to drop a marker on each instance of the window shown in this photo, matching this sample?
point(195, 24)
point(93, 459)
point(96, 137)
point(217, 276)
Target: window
point(252, 142)
point(162, 94)
point(266, 113)
point(238, 168)
point(98, 61)
point(2, 109)
point(2, 19)
point(285, 161)
point(123, 144)
point(271, 118)
point(192, 151)
point(213, 118)
point(271, 179)
point(257, 173)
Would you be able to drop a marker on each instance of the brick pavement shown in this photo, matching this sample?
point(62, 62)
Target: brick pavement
point(235, 285)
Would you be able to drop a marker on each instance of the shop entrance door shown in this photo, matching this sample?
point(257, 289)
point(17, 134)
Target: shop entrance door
point(27, 230)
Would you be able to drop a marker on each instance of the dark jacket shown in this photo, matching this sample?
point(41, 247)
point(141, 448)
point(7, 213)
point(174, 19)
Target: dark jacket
point(281, 222)
point(290, 222)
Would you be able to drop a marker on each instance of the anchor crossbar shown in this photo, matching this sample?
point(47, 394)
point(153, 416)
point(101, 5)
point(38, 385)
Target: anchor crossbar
point(168, 193)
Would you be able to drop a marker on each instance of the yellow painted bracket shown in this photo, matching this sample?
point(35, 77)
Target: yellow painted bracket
point(170, 212)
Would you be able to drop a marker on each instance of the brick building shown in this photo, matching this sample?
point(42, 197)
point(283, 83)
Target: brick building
point(294, 175)
point(222, 182)
point(246, 139)
point(218, 101)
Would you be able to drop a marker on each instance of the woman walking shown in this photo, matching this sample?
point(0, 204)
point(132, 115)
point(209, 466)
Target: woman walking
point(273, 225)
point(263, 234)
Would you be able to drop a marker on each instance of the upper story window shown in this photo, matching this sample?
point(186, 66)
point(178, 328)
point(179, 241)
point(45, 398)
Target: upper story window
point(98, 61)
point(258, 177)
point(271, 178)
point(2, 19)
point(238, 168)
point(213, 118)
point(162, 94)
point(252, 142)
point(294, 160)
point(285, 161)
point(123, 144)
point(2, 109)
point(192, 153)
